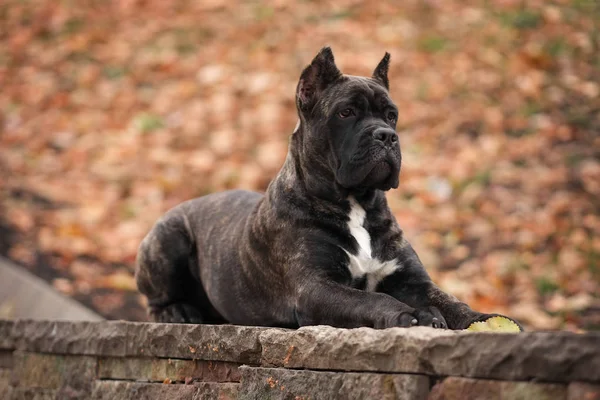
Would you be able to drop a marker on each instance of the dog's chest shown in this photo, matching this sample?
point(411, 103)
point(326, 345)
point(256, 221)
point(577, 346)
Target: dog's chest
point(363, 264)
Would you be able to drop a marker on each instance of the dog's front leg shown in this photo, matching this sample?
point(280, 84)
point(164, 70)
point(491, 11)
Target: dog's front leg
point(412, 285)
point(324, 302)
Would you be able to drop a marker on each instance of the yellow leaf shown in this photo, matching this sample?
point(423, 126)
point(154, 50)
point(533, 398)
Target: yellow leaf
point(494, 324)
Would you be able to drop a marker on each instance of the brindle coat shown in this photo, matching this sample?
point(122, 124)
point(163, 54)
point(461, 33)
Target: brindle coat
point(321, 246)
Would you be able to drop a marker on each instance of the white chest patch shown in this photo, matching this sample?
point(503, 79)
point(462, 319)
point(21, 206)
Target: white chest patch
point(362, 263)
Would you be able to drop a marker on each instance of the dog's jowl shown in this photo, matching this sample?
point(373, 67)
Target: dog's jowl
point(321, 246)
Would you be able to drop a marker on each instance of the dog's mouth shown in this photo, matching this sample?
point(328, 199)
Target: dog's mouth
point(380, 172)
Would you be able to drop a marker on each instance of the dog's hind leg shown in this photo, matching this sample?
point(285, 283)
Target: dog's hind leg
point(165, 260)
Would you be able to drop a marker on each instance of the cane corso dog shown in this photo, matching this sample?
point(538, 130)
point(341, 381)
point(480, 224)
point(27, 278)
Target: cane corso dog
point(321, 246)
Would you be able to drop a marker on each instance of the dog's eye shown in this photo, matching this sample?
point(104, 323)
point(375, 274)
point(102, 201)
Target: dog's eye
point(346, 113)
point(392, 116)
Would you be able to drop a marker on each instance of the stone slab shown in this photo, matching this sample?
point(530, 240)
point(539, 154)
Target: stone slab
point(119, 338)
point(33, 394)
point(361, 349)
point(159, 369)
point(7, 341)
point(63, 337)
point(547, 356)
point(69, 374)
point(454, 388)
point(220, 391)
point(583, 391)
point(6, 380)
point(542, 356)
point(204, 342)
point(278, 383)
point(122, 390)
point(6, 359)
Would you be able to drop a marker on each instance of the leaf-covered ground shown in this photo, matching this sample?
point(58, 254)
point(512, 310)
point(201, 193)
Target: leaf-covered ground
point(111, 112)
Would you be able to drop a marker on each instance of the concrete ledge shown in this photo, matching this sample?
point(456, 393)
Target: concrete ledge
point(24, 295)
point(119, 360)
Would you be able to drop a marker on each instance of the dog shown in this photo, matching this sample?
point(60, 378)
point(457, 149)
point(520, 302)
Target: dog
point(321, 246)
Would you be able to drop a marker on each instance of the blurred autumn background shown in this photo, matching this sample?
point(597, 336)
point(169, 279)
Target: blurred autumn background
point(111, 112)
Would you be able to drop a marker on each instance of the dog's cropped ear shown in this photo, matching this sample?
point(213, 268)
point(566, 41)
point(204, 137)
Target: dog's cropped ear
point(321, 72)
point(381, 72)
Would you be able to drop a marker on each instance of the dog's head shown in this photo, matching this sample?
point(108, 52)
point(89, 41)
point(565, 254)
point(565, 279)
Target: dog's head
point(351, 123)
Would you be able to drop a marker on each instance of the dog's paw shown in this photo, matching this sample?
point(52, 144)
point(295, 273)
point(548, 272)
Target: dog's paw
point(430, 316)
point(427, 316)
point(176, 313)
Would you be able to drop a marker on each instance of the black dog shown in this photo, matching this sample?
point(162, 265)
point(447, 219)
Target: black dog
point(321, 246)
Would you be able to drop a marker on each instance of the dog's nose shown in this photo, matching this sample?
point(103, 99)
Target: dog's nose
point(386, 136)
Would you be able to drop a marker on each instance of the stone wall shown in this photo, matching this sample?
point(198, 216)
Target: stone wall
point(125, 360)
